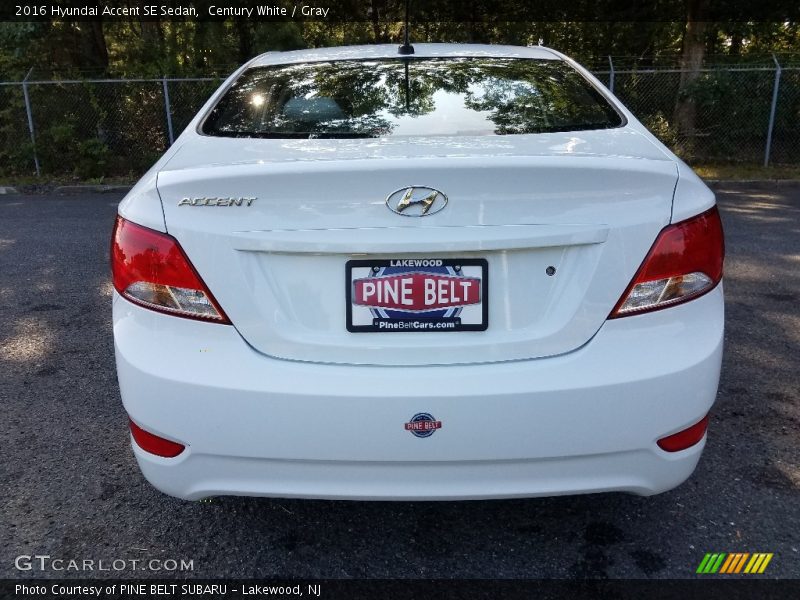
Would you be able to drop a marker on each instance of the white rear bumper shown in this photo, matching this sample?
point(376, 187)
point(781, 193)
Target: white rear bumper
point(587, 421)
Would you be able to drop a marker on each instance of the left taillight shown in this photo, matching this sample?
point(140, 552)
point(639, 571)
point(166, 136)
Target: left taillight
point(150, 268)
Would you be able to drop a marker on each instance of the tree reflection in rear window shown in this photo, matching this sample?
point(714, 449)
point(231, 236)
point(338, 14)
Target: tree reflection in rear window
point(410, 97)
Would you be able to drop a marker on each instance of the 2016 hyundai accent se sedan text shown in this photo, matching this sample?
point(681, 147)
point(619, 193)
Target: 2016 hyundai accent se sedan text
point(468, 272)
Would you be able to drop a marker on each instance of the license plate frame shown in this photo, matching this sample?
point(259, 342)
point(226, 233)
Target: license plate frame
point(468, 317)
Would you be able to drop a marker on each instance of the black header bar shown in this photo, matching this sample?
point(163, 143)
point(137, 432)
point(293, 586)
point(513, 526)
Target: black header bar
point(486, 11)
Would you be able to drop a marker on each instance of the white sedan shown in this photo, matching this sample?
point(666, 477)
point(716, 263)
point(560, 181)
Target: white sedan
point(468, 272)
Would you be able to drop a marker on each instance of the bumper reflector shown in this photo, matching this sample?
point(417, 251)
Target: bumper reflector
point(686, 438)
point(153, 444)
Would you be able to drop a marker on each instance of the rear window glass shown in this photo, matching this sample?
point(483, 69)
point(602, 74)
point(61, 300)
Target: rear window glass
point(410, 97)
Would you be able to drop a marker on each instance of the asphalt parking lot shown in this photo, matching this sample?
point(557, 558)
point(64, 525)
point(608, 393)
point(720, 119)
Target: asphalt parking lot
point(71, 488)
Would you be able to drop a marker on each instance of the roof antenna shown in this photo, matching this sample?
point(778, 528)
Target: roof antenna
point(406, 48)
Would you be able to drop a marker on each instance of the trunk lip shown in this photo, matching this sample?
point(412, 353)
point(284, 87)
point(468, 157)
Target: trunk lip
point(421, 50)
point(617, 143)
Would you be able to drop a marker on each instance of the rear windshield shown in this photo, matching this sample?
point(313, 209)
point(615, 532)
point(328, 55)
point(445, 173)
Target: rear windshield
point(410, 97)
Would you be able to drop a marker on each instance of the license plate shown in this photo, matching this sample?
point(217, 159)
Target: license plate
point(417, 294)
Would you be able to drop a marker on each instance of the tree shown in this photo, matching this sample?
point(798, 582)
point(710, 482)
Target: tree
point(692, 54)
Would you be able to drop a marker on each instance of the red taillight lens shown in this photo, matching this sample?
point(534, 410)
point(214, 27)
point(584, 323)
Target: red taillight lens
point(686, 438)
point(684, 263)
point(149, 268)
point(153, 444)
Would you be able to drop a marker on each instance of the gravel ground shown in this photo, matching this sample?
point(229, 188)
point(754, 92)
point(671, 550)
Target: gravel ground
point(72, 489)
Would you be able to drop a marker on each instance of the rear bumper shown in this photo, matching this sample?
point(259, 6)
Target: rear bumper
point(199, 476)
point(583, 422)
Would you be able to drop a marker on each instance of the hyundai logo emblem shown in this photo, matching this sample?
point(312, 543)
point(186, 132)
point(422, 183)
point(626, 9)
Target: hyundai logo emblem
point(416, 201)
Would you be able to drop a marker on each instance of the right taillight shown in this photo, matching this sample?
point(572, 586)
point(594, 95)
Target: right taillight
point(684, 262)
point(150, 268)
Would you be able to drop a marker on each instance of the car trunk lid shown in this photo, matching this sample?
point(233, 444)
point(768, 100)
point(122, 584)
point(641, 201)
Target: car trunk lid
point(562, 221)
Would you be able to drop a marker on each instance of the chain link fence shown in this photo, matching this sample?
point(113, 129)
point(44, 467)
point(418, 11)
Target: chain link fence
point(747, 115)
point(94, 128)
point(102, 127)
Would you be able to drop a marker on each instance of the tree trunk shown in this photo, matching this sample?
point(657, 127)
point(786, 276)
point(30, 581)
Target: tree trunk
point(245, 35)
point(93, 46)
point(152, 34)
point(694, 47)
point(199, 44)
point(153, 43)
point(736, 43)
point(376, 27)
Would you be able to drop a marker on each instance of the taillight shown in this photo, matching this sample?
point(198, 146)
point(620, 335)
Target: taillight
point(149, 268)
point(150, 442)
point(685, 262)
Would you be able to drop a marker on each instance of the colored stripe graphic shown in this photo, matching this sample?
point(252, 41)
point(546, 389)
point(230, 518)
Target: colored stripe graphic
point(729, 562)
point(758, 563)
point(740, 564)
point(718, 564)
point(723, 563)
point(764, 564)
point(734, 562)
point(711, 562)
point(703, 564)
point(752, 564)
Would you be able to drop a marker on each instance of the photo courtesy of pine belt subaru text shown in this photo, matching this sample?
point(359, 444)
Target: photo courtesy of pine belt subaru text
point(452, 272)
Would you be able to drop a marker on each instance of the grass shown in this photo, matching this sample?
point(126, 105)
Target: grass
point(55, 180)
point(740, 172)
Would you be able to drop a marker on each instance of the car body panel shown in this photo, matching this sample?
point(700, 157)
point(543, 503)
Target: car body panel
point(552, 398)
point(288, 298)
point(389, 51)
point(596, 411)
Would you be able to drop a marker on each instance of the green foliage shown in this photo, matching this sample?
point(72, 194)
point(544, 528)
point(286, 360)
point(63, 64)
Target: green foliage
point(154, 48)
point(91, 130)
point(16, 151)
point(720, 110)
point(659, 125)
point(92, 159)
point(62, 151)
